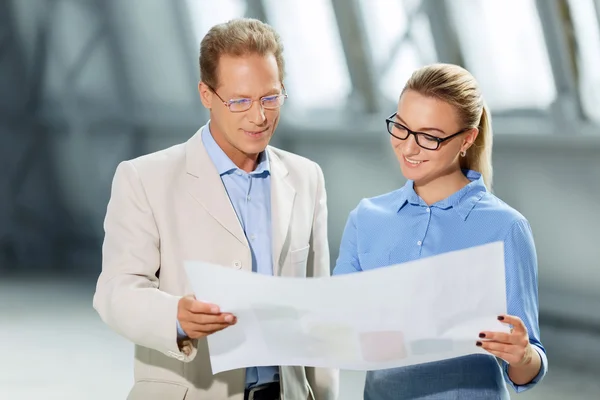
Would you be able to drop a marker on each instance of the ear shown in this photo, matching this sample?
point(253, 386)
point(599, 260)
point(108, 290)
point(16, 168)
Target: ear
point(206, 95)
point(470, 138)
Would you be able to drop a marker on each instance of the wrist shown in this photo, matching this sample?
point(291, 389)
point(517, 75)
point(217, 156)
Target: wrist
point(527, 357)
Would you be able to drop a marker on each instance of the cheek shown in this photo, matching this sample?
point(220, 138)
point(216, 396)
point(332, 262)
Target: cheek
point(221, 115)
point(233, 121)
point(273, 117)
point(444, 157)
point(230, 127)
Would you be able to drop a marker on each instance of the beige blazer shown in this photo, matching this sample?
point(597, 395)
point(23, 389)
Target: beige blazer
point(171, 206)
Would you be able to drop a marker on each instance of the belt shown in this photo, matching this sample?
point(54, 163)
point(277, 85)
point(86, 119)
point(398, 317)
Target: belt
point(268, 391)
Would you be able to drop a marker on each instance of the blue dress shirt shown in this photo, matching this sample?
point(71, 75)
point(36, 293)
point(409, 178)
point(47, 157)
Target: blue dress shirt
point(250, 195)
point(399, 227)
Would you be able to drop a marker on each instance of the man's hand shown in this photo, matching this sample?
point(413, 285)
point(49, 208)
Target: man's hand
point(198, 319)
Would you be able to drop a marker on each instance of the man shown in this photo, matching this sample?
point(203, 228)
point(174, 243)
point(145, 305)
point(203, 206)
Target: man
point(223, 197)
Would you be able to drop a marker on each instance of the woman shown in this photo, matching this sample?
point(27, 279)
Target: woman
point(442, 136)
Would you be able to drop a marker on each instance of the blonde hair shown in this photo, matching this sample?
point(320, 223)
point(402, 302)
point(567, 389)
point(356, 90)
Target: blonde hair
point(457, 87)
point(238, 37)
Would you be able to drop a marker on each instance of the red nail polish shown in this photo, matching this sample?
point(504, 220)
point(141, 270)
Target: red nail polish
point(478, 344)
point(501, 318)
point(482, 335)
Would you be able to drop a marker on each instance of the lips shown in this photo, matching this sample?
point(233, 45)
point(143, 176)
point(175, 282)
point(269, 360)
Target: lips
point(256, 133)
point(413, 162)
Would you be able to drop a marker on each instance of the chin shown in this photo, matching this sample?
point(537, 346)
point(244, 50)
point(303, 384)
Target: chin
point(415, 174)
point(254, 147)
point(411, 173)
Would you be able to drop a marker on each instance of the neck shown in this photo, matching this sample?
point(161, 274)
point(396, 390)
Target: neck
point(441, 187)
point(245, 162)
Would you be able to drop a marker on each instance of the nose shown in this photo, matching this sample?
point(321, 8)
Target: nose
point(410, 146)
point(256, 113)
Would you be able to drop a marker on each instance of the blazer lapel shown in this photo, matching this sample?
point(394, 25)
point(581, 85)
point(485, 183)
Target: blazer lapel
point(204, 184)
point(282, 203)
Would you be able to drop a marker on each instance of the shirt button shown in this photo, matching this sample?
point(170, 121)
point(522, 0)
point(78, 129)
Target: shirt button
point(238, 172)
point(248, 198)
point(237, 264)
point(428, 209)
point(419, 243)
point(252, 237)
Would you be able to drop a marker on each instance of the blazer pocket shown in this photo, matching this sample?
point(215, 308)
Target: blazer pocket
point(157, 390)
point(299, 255)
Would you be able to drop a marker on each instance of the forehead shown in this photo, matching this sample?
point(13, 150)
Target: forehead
point(248, 75)
point(419, 111)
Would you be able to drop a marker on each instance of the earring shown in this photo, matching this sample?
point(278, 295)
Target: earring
point(463, 153)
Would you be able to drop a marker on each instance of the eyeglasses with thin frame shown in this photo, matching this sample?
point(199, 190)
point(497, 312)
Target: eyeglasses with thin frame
point(272, 102)
point(424, 140)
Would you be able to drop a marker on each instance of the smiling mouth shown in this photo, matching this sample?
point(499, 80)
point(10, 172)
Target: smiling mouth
point(413, 162)
point(256, 133)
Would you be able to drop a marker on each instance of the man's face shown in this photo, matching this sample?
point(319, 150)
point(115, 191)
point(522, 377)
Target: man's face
point(243, 134)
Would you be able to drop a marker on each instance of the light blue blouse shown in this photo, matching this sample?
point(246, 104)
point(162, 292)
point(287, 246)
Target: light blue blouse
point(399, 227)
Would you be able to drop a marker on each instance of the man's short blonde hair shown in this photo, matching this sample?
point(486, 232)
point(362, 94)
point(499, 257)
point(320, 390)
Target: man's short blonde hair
point(238, 37)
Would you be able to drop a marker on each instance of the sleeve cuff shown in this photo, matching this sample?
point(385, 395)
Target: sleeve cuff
point(534, 381)
point(180, 333)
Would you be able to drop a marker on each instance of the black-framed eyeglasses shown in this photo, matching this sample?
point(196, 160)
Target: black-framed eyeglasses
point(272, 102)
point(424, 140)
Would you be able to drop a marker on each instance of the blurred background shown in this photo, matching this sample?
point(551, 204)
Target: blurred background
point(85, 84)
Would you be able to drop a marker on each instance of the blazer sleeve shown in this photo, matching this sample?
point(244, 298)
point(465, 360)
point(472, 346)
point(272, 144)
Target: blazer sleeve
point(324, 382)
point(127, 297)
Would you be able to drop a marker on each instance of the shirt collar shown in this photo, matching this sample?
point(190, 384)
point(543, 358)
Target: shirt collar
point(223, 163)
point(462, 201)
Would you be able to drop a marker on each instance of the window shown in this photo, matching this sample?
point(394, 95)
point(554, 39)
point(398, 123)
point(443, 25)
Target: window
point(400, 41)
point(317, 76)
point(587, 33)
point(205, 14)
point(149, 32)
point(504, 48)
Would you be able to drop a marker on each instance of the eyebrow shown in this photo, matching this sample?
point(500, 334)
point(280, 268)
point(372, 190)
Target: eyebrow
point(272, 92)
point(422, 129)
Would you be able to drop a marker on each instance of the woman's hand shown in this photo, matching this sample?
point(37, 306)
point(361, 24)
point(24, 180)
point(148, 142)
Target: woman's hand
point(513, 347)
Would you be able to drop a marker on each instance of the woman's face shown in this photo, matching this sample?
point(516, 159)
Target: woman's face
point(436, 119)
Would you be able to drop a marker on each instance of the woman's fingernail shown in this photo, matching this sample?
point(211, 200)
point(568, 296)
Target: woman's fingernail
point(482, 335)
point(229, 318)
point(478, 344)
point(500, 318)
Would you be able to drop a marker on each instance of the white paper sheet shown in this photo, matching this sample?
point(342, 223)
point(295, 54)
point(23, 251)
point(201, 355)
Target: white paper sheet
point(420, 311)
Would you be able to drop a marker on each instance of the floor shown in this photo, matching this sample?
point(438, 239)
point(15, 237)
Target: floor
point(53, 346)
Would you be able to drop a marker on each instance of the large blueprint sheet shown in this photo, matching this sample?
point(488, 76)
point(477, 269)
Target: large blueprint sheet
point(420, 311)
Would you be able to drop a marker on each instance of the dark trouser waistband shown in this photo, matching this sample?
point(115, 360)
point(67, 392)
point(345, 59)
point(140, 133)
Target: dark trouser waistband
point(269, 391)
